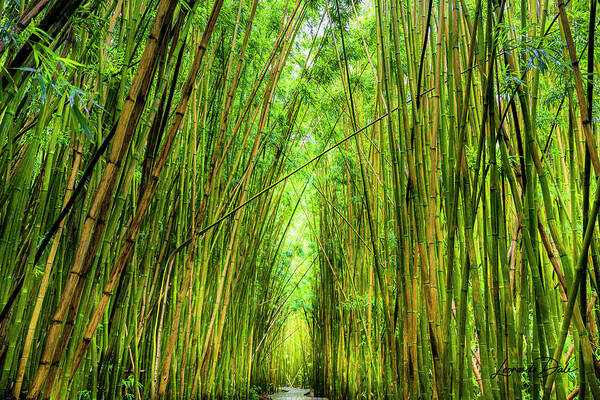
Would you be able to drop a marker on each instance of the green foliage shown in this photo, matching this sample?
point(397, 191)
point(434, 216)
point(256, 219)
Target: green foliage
point(255, 392)
point(84, 395)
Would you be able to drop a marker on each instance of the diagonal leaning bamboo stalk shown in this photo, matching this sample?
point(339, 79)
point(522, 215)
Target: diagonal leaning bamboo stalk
point(148, 193)
point(45, 279)
point(583, 105)
point(124, 132)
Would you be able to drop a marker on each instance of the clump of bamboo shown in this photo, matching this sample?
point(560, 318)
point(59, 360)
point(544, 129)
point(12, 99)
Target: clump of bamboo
point(132, 243)
point(178, 175)
point(458, 212)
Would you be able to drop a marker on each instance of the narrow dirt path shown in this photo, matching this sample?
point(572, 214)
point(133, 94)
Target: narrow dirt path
point(295, 394)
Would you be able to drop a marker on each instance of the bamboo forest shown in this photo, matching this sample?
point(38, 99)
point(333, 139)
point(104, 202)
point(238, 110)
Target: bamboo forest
point(289, 199)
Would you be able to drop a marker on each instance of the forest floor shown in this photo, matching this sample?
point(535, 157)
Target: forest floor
point(294, 394)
